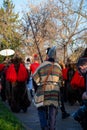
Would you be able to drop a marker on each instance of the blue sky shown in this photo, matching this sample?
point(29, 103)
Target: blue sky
point(22, 4)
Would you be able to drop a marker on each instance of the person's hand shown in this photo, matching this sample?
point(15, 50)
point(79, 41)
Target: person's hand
point(62, 64)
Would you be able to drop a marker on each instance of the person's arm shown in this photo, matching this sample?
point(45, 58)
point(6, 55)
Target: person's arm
point(35, 85)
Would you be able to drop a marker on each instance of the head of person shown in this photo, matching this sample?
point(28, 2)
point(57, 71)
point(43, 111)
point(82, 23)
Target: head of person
point(52, 54)
point(28, 60)
point(36, 58)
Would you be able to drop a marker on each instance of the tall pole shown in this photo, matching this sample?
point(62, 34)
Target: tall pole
point(35, 39)
point(64, 53)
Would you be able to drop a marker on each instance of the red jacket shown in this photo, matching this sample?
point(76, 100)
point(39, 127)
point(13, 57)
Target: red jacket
point(33, 67)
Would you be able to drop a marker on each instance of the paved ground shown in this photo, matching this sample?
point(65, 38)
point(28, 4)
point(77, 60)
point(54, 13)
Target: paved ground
point(30, 119)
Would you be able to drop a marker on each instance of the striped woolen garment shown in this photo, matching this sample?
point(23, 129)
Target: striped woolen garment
point(51, 92)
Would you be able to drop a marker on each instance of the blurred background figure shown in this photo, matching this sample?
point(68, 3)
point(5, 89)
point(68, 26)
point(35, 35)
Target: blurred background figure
point(2, 82)
point(33, 66)
point(17, 76)
point(27, 63)
point(81, 114)
point(70, 92)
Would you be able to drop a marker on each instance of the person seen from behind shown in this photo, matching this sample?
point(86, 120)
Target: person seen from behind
point(17, 76)
point(62, 89)
point(51, 71)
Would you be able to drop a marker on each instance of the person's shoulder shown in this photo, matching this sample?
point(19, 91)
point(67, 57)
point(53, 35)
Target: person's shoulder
point(32, 63)
point(45, 63)
point(42, 64)
point(58, 65)
point(48, 63)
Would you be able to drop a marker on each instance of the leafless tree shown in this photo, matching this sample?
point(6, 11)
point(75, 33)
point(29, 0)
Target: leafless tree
point(59, 22)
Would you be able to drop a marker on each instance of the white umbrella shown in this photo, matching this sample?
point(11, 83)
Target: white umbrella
point(7, 52)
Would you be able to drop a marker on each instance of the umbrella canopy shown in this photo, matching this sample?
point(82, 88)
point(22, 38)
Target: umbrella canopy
point(7, 52)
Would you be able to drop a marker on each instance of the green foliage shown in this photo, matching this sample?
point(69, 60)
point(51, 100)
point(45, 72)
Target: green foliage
point(10, 36)
point(7, 120)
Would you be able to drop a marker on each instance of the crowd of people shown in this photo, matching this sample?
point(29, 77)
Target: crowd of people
point(51, 84)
